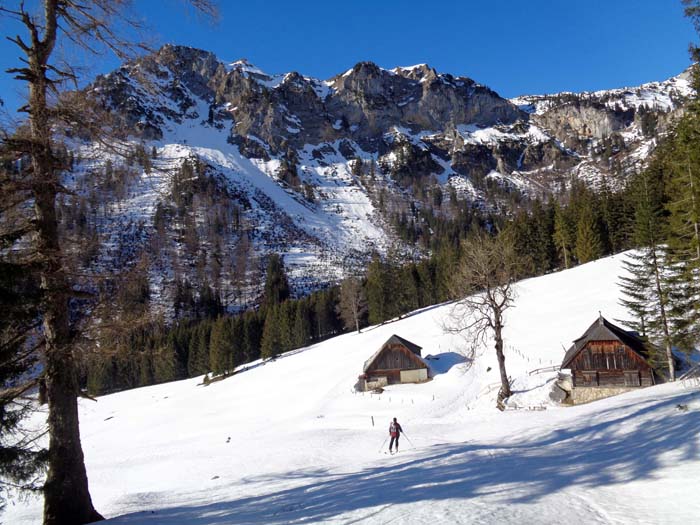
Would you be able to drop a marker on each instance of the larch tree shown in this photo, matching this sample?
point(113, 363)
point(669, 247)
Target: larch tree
point(353, 304)
point(91, 26)
point(484, 283)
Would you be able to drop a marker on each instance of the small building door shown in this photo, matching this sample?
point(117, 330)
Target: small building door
point(632, 378)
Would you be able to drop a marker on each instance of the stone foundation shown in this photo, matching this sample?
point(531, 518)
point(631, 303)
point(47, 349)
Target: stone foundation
point(582, 394)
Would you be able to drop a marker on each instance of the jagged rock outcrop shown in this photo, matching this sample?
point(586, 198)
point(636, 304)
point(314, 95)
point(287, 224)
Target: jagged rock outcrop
point(472, 127)
point(322, 168)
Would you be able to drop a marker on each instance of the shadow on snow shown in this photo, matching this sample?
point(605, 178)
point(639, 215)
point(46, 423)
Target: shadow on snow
point(442, 363)
point(608, 452)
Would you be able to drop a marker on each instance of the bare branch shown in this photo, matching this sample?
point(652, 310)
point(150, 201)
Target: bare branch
point(484, 282)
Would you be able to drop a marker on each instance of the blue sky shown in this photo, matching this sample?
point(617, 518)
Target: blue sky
point(514, 46)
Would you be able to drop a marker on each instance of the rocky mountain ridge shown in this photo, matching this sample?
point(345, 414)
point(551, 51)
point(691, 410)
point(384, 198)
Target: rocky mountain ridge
point(322, 170)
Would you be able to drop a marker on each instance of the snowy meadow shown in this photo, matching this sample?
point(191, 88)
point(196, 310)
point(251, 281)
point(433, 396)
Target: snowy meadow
point(290, 441)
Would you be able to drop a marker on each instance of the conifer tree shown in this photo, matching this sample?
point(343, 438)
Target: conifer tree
point(614, 217)
point(165, 364)
point(21, 461)
point(198, 359)
point(404, 284)
point(221, 346)
point(564, 234)
point(276, 283)
point(588, 243)
point(377, 291)
point(286, 323)
point(237, 356)
point(302, 324)
point(270, 341)
point(446, 260)
point(324, 313)
point(427, 277)
point(635, 286)
point(683, 190)
point(252, 333)
point(645, 285)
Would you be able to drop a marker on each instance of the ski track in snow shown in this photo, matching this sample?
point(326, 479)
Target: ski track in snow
point(289, 442)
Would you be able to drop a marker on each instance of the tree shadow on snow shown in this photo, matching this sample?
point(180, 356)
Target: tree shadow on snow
point(442, 363)
point(606, 453)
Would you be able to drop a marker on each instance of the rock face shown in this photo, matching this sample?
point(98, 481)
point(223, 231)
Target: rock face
point(528, 141)
point(322, 170)
point(293, 110)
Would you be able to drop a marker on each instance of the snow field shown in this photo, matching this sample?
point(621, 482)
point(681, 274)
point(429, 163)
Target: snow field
point(288, 441)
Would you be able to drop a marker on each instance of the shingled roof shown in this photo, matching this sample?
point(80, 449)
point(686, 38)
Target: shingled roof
point(395, 339)
point(604, 330)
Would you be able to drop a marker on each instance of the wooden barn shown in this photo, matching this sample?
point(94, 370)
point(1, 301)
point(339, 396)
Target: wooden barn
point(397, 361)
point(607, 360)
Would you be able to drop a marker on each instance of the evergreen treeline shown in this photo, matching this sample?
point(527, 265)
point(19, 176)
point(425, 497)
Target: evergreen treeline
point(583, 226)
point(209, 342)
point(658, 211)
point(662, 284)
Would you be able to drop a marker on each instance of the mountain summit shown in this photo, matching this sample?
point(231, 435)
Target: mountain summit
point(323, 171)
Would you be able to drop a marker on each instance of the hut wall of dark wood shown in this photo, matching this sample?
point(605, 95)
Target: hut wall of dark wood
point(391, 361)
point(610, 363)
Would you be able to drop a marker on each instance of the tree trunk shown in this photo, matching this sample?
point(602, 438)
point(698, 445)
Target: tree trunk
point(664, 316)
point(696, 227)
point(66, 497)
point(504, 392)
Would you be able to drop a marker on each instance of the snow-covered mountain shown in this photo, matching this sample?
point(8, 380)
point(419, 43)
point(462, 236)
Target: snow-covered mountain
point(614, 130)
point(322, 171)
point(289, 441)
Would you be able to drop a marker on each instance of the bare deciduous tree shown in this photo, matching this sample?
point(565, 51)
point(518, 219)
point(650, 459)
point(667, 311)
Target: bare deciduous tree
point(91, 26)
point(484, 281)
point(353, 303)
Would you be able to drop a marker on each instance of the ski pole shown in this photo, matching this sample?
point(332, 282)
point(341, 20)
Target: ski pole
point(409, 439)
point(382, 447)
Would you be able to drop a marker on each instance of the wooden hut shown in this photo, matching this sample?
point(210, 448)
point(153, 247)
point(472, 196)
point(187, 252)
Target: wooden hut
point(607, 360)
point(397, 361)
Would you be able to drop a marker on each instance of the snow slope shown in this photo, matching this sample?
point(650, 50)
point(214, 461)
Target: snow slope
point(662, 95)
point(289, 442)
